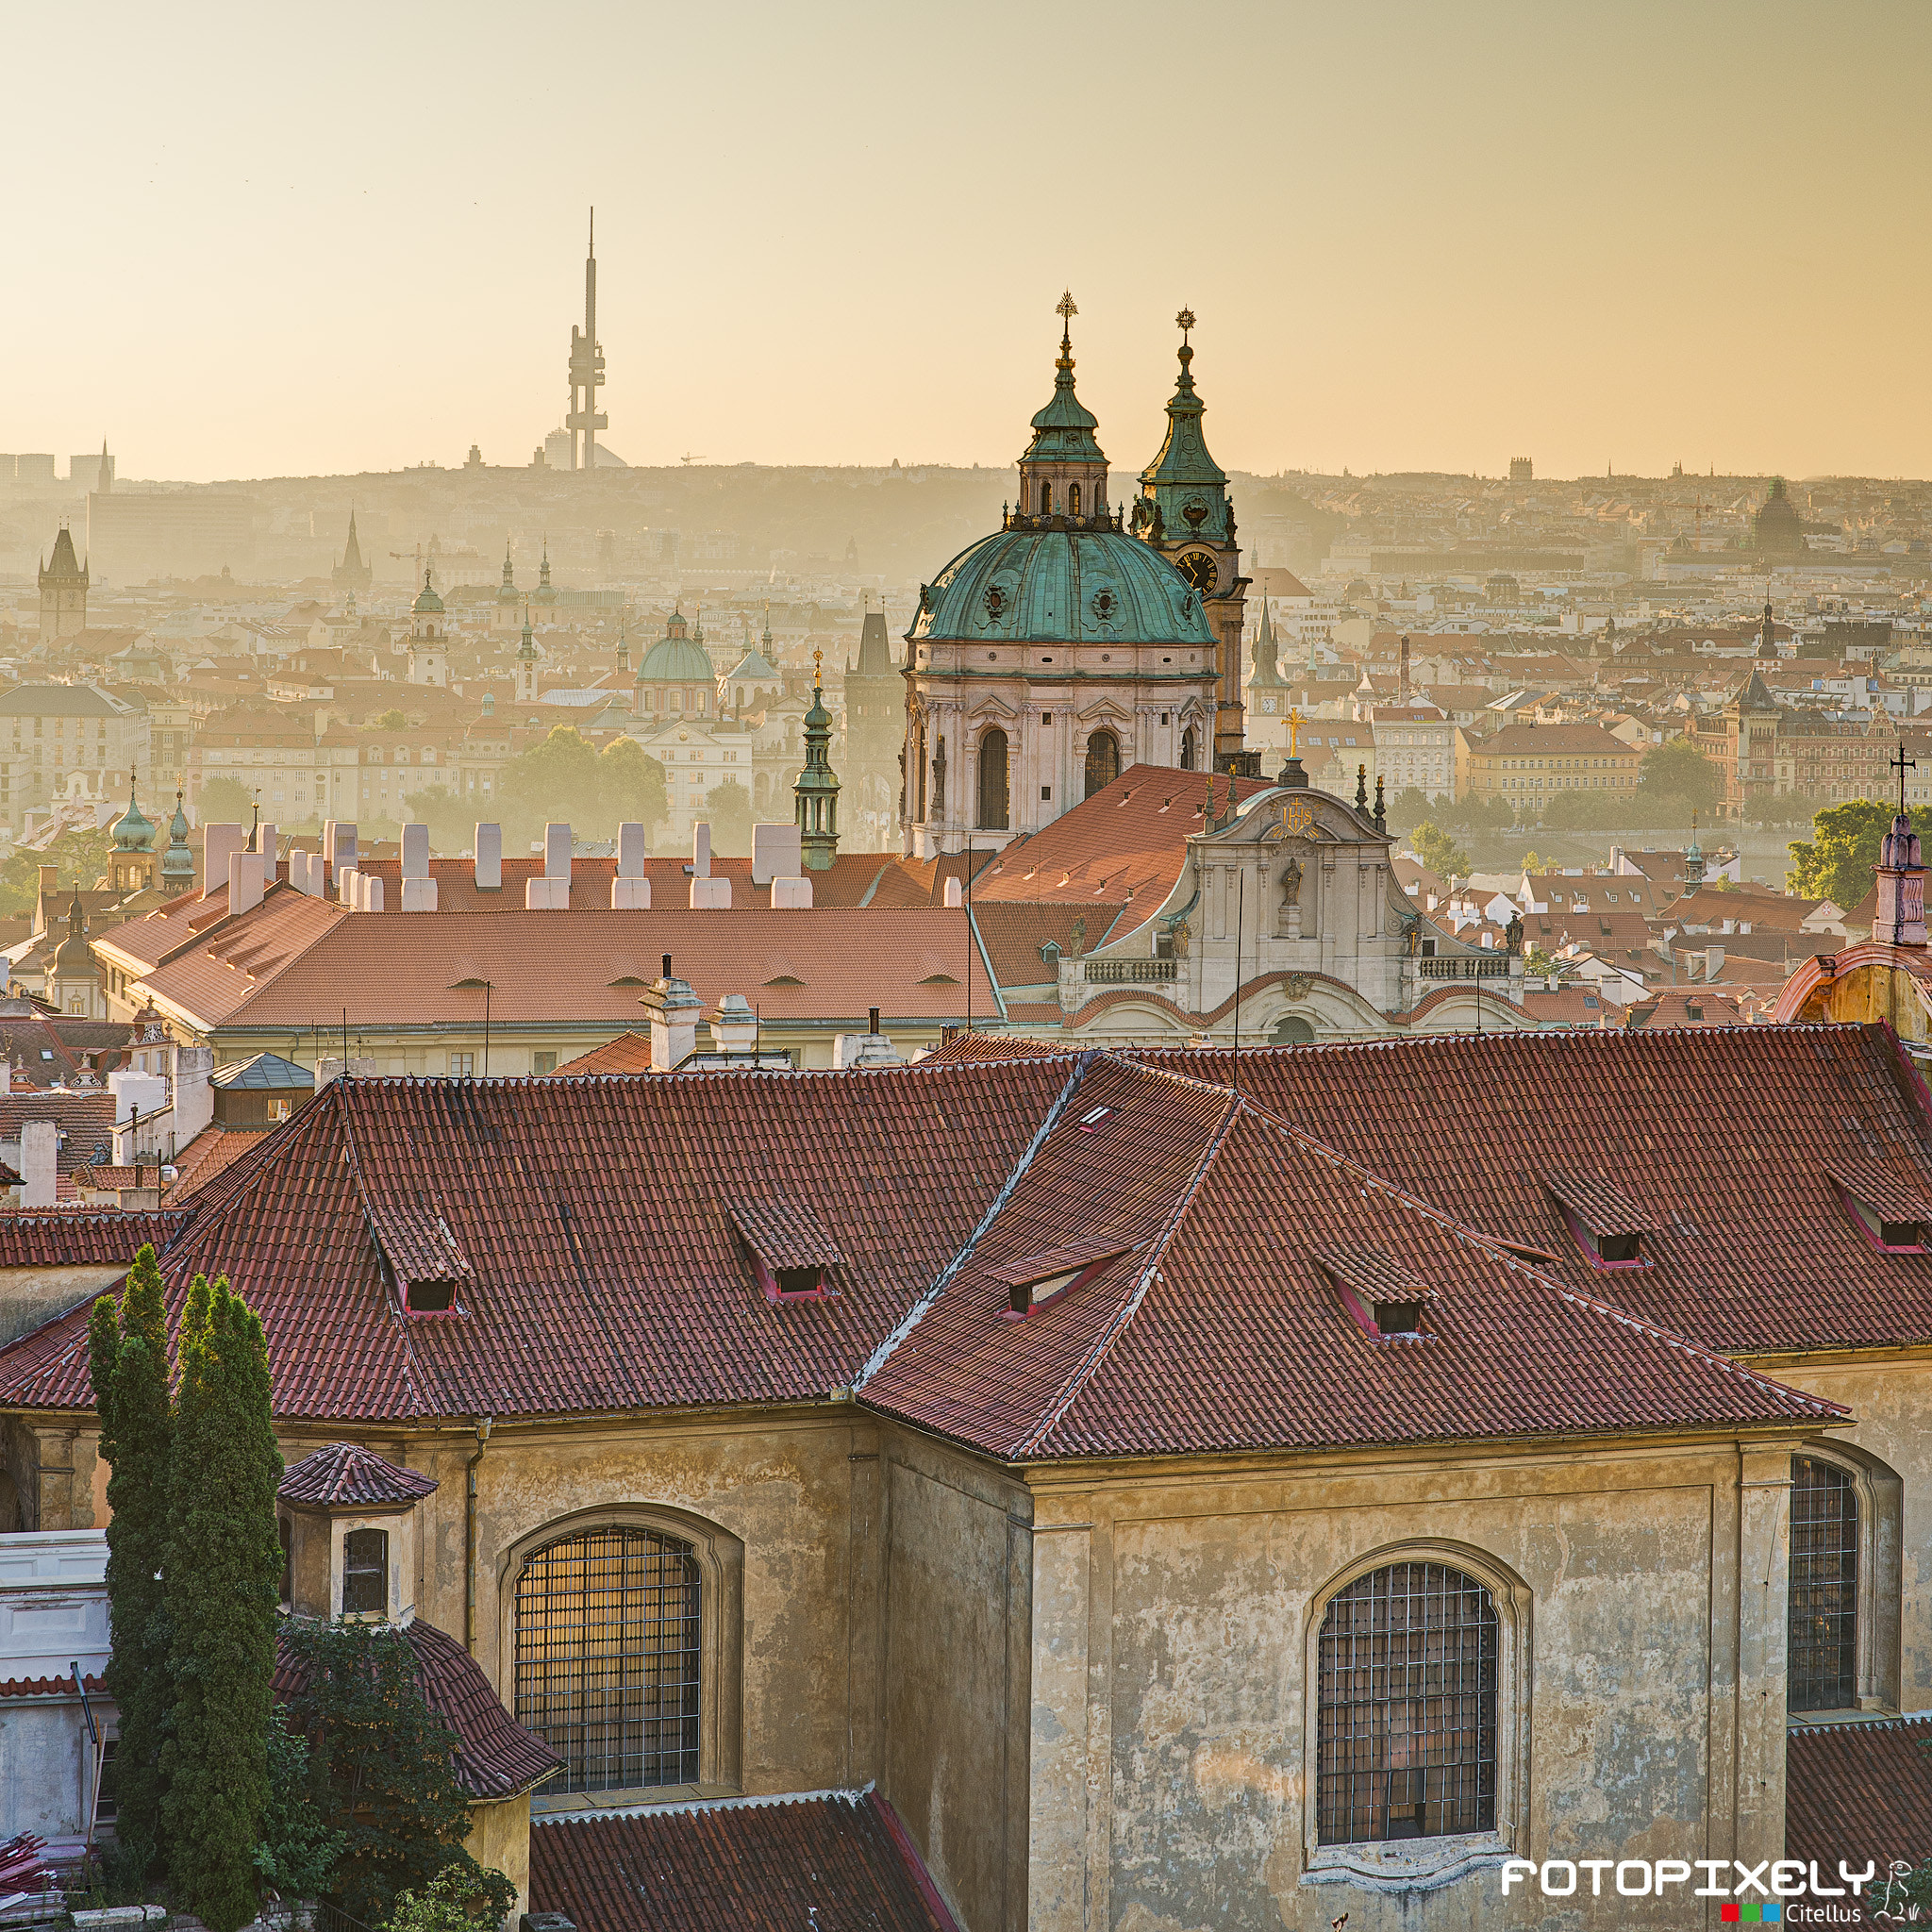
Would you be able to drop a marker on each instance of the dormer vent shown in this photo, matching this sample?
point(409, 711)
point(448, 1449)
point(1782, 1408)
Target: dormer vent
point(1893, 1213)
point(425, 1258)
point(1090, 1120)
point(1036, 1280)
point(1608, 1224)
point(1384, 1294)
point(790, 1249)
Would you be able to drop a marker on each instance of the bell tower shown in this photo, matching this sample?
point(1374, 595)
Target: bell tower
point(1183, 510)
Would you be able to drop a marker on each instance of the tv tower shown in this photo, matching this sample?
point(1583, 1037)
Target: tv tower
point(586, 369)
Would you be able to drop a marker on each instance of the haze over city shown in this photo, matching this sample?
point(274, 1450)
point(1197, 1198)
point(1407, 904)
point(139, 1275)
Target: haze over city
point(303, 240)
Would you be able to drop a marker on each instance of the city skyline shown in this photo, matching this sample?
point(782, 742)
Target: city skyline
point(1414, 243)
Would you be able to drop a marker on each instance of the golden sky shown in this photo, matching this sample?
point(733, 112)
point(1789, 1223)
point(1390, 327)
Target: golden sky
point(1427, 234)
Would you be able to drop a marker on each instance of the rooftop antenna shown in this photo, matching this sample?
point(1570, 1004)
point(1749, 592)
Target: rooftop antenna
point(1240, 907)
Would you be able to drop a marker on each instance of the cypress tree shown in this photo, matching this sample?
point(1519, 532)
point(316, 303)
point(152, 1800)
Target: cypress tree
point(128, 1365)
point(223, 1564)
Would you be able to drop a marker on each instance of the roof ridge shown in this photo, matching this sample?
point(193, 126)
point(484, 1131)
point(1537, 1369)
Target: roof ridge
point(1130, 1308)
point(913, 1315)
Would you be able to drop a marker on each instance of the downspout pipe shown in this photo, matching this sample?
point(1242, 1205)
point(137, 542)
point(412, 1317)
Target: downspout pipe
point(470, 1536)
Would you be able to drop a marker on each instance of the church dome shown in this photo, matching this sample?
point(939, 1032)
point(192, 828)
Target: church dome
point(427, 603)
point(676, 660)
point(177, 863)
point(1062, 587)
point(134, 831)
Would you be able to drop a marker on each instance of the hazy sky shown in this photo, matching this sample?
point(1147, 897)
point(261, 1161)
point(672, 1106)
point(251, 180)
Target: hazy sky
point(254, 240)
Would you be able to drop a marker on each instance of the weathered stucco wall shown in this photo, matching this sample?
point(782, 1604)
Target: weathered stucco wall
point(1890, 1400)
point(1173, 1679)
point(500, 1836)
point(29, 1296)
point(957, 1673)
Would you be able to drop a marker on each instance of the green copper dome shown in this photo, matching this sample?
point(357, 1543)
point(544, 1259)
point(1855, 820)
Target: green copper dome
point(177, 863)
point(1062, 587)
point(427, 603)
point(1184, 483)
point(676, 660)
point(134, 831)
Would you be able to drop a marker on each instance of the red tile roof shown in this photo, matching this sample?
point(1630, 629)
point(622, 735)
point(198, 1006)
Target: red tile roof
point(206, 1156)
point(495, 1757)
point(839, 1860)
point(344, 1475)
point(629, 1052)
point(1224, 1331)
point(49, 1687)
point(1860, 1792)
point(82, 1237)
point(1129, 841)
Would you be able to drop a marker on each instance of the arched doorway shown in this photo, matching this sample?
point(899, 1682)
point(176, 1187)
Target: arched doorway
point(1188, 751)
point(608, 1641)
point(1103, 760)
point(919, 770)
point(992, 781)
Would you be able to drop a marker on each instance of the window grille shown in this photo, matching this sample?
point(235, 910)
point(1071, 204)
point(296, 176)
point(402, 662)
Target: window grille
point(365, 1572)
point(1822, 1666)
point(1406, 1710)
point(606, 1658)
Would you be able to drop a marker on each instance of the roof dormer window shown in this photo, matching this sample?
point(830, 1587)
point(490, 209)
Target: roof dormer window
point(1034, 1280)
point(791, 1252)
point(1885, 1205)
point(1608, 1223)
point(1385, 1297)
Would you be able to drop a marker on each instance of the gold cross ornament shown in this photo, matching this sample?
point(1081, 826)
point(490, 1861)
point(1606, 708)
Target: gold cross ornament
point(1295, 721)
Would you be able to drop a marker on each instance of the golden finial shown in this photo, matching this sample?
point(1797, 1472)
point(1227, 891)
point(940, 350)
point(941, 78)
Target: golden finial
point(1183, 322)
point(817, 682)
point(1295, 721)
point(1066, 310)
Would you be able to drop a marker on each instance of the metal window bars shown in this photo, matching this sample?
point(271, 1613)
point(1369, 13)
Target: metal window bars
point(1821, 1665)
point(608, 1634)
point(1405, 1724)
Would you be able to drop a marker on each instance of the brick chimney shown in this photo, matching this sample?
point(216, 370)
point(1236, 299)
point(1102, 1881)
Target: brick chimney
point(673, 1008)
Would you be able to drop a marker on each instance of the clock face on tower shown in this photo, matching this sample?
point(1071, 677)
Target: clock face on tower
point(1199, 568)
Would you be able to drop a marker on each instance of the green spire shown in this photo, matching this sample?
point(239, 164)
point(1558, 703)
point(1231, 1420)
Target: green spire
point(817, 787)
point(1063, 431)
point(527, 648)
point(1183, 484)
point(134, 831)
point(177, 863)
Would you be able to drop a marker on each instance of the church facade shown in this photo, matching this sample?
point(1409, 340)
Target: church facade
point(1047, 657)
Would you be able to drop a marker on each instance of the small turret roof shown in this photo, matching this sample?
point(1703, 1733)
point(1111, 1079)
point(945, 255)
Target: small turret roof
point(344, 1475)
point(428, 602)
point(1063, 430)
point(134, 831)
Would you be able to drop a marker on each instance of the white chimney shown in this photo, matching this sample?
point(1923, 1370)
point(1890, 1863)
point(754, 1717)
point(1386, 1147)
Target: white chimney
point(711, 895)
point(345, 885)
point(556, 852)
point(39, 1161)
point(1713, 963)
point(218, 842)
point(194, 1095)
point(265, 844)
point(630, 890)
point(244, 881)
point(368, 892)
point(734, 1026)
point(338, 844)
point(488, 858)
point(551, 894)
point(776, 853)
point(5, 1075)
point(419, 888)
point(956, 896)
point(329, 1067)
point(700, 851)
point(790, 893)
point(674, 1009)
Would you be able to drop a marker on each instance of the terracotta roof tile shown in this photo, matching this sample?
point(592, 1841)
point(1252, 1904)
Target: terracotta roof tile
point(1860, 1792)
point(1599, 1203)
point(344, 1475)
point(629, 1052)
point(495, 1757)
point(785, 1234)
point(840, 1860)
point(49, 1687)
point(83, 1237)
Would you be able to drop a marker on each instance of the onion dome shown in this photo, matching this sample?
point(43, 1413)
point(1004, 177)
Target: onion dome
point(134, 831)
point(177, 861)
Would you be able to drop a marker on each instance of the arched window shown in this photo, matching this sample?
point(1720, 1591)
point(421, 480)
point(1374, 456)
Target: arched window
point(1103, 761)
point(918, 771)
point(992, 781)
point(1291, 1031)
point(608, 1643)
point(1188, 749)
point(1406, 1706)
point(1045, 499)
point(1073, 500)
point(1823, 1622)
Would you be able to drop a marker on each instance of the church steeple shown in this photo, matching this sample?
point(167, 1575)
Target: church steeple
point(1063, 473)
point(817, 787)
point(526, 664)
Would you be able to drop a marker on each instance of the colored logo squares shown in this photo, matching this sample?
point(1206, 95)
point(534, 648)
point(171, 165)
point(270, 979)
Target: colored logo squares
point(1749, 1912)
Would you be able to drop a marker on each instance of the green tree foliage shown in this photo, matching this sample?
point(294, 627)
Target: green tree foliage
point(1407, 808)
point(298, 1852)
point(381, 1770)
point(728, 809)
point(1840, 860)
point(449, 1903)
point(128, 1362)
point(1473, 816)
point(223, 1566)
point(1675, 777)
point(562, 778)
point(391, 720)
point(81, 858)
point(225, 802)
point(1439, 851)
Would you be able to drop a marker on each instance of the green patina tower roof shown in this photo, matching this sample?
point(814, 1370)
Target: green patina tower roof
point(428, 602)
point(677, 658)
point(816, 789)
point(134, 831)
point(1063, 431)
point(1185, 484)
point(177, 863)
